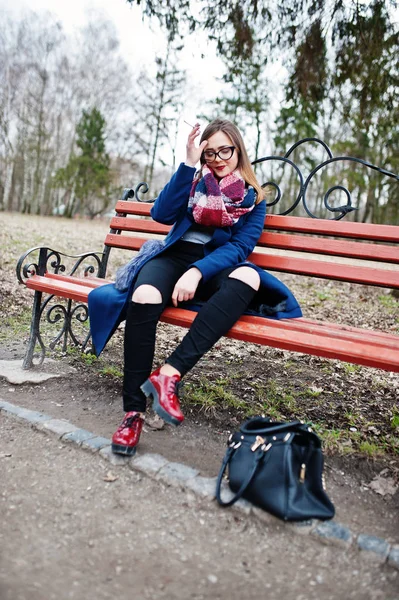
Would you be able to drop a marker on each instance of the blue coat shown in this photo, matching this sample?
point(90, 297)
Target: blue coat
point(229, 246)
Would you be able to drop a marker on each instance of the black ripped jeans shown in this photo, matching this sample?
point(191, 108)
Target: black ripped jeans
point(225, 300)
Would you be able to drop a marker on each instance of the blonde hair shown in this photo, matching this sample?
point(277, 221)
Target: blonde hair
point(244, 164)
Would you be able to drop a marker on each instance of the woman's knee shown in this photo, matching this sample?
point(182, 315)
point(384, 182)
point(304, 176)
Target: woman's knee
point(147, 294)
point(248, 275)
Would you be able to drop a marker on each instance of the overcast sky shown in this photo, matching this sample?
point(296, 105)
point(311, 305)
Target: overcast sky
point(139, 43)
point(135, 37)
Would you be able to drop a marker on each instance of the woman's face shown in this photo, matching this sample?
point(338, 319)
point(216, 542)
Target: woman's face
point(221, 167)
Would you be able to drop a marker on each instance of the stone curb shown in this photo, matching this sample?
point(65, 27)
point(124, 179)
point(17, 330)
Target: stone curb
point(175, 474)
point(333, 532)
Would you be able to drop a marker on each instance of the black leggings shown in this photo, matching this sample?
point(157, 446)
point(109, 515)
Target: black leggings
point(225, 299)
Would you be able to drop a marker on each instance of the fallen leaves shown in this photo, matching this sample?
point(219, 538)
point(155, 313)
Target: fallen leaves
point(110, 477)
point(317, 390)
point(383, 485)
point(155, 423)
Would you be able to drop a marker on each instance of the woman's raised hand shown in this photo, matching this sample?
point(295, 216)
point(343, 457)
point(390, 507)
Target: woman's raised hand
point(193, 154)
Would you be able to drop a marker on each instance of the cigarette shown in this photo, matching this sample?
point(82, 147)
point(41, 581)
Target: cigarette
point(189, 124)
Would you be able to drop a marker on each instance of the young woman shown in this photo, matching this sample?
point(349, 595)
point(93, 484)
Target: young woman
point(217, 215)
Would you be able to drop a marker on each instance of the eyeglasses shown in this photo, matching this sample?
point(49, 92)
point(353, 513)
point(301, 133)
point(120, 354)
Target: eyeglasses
point(224, 154)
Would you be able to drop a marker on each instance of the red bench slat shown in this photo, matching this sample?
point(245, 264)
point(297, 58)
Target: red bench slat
point(145, 225)
point(310, 343)
point(364, 231)
point(302, 266)
point(336, 271)
point(88, 281)
point(58, 287)
point(360, 346)
point(298, 243)
point(358, 250)
point(124, 242)
point(332, 330)
point(130, 207)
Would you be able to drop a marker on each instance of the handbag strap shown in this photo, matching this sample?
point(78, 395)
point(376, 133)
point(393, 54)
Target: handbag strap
point(258, 457)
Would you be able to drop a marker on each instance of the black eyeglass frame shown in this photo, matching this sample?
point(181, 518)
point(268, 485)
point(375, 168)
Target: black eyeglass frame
point(215, 154)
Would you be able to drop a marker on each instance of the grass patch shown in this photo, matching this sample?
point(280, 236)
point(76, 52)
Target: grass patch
point(16, 326)
point(351, 368)
point(284, 404)
point(395, 421)
point(97, 364)
point(111, 371)
point(310, 392)
point(274, 401)
point(342, 441)
point(370, 449)
point(88, 358)
point(212, 395)
point(269, 399)
point(351, 418)
point(332, 438)
point(389, 302)
point(322, 296)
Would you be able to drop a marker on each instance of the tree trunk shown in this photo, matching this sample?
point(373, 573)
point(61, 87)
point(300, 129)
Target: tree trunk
point(8, 185)
point(27, 187)
point(70, 205)
point(43, 205)
point(159, 115)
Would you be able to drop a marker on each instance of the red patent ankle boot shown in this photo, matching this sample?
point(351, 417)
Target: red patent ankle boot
point(127, 436)
point(162, 389)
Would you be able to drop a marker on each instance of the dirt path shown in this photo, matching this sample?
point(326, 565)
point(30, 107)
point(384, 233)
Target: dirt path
point(66, 533)
point(79, 399)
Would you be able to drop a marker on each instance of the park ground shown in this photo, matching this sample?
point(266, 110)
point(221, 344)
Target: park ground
point(71, 528)
point(354, 409)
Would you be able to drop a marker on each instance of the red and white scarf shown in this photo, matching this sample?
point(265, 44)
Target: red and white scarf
point(220, 203)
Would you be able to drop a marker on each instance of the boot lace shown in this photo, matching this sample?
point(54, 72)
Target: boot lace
point(131, 421)
point(173, 387)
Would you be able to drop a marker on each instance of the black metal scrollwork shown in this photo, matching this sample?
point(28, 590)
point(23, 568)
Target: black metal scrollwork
point(301, 200)
point(67, 315)
point(277, 199)
point(130, 193)
point(339, 212)
point(50, 261)
point(142, 187)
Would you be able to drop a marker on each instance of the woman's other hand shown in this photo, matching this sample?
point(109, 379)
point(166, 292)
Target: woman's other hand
point(193, 154)
point(186, 286)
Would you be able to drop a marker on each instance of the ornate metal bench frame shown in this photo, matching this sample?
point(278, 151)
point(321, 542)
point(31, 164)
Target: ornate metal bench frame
point(94, 264)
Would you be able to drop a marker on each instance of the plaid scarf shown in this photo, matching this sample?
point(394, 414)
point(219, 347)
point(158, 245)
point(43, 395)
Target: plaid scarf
point(220, 204)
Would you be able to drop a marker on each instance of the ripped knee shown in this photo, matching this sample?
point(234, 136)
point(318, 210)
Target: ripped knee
point(247, 275)
point(147, 294)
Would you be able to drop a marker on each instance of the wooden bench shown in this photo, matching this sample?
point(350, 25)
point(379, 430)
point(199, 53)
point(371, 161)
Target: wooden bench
point(374, 247)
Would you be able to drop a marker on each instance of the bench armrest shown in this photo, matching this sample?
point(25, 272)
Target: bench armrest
point(41, 260)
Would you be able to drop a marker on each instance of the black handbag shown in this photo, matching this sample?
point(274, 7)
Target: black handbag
point(278, 467)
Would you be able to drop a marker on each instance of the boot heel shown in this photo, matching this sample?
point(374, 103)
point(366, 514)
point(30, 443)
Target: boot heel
point(161, 388)
point(148, 389)
point(157, 408)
